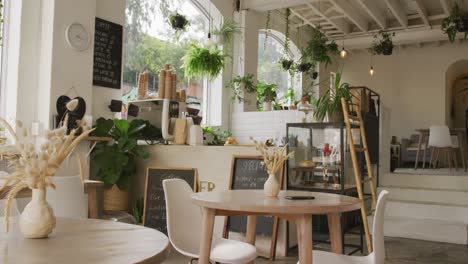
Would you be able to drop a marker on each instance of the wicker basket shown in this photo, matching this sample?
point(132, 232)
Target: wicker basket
point(116, 199)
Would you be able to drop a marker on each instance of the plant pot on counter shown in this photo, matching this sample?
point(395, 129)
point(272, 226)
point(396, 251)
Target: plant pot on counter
point(336, 117)
point(267, 106)
point(116, 199)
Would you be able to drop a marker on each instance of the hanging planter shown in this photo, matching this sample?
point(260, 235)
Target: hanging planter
point(178, 22)
point(286, 64)
point(314, 75)
point(319, 48)
point(304, 66)
point(456, 22)
point(203, 62)
point(383, 44)
point(462, 25)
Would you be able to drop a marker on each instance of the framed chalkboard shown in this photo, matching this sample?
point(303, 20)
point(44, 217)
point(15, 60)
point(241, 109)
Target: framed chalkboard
point(154, 209)
point(247, 173)
point(107, 68)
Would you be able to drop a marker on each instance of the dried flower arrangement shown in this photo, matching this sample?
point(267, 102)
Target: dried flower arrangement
point(35, 166)
point(273, 156)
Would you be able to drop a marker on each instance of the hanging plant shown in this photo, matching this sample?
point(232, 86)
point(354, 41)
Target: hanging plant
point(319, 48)
point(383, 43)
point(456, 22)
point(266, 92)
point(286, 64)
point(267, 29)
point(286, 41)
point(314, 75)
point(203, 62)
point(226, 31)
point(178, 22)
point(240, 85)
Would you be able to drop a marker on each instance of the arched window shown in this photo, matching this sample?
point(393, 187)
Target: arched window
point(269, 69)
point(150, 42)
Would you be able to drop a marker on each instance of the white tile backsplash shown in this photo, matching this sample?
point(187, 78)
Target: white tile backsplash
point(262, 125)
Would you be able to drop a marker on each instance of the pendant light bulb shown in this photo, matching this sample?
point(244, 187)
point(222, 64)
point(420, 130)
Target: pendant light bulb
point(209, 41)
point(371, 71)
point(343, 53)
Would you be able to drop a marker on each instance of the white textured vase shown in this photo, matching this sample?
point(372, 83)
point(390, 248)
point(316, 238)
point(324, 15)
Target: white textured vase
point(38, 219)
point(267, 106)
point(271, 187)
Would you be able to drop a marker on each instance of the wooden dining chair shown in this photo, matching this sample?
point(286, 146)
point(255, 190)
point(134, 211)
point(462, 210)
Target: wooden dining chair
point(184, 222)
point(378, 244)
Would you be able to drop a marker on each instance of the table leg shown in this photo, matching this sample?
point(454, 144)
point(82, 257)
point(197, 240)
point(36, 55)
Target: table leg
point(92, 203)
point(304, 237)
point(419, 150)
point(334, 225)
point(251, 231)
point(461, 142)
point(424, 153)
point(206, 235)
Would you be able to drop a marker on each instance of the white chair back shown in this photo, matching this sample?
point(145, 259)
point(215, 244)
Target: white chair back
point(183, 218)
point(439, 137)
point(68, 198)
point(378, 242)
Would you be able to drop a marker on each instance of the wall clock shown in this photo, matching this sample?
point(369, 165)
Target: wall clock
point(77, 36)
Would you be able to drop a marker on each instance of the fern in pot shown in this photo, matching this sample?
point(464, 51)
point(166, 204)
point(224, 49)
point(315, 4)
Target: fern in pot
point(203, 62)
point(241, 85)
point(383, 43)
point(330, 103)
point(320, 49)
point(266, 94)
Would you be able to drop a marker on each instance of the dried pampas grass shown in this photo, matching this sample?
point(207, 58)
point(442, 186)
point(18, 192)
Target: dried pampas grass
point(273, 157)
point(36, 165)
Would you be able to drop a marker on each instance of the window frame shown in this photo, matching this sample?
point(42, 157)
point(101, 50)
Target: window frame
point(3, 56)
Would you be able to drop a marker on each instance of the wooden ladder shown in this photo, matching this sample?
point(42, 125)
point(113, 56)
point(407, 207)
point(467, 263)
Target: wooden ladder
point(351, 120)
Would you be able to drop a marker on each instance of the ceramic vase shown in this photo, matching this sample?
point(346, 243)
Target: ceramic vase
point(271, 187)
point(38, 219)
point(267, 106)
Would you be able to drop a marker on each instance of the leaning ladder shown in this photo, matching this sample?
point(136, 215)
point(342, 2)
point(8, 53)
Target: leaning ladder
point(357, 120)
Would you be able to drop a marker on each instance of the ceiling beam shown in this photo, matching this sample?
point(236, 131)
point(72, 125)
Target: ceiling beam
point(398, 11)
point(306, 21)
point(422, 11)
point(447, 5)
point(339, 23)
point(266, 5)
point(352, 14)
point(374, 11)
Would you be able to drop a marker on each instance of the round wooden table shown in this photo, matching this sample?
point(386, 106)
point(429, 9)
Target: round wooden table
point(85, 241)
point(253, 203)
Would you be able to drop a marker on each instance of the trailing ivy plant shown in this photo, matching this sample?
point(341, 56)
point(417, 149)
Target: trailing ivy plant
point(319, 48)
point(456, 22)
point(239, 85)
point(266, 92)
point(286, 40)
point(203, 62)
point(267, 29)
point(227, 30)
point(383, 43)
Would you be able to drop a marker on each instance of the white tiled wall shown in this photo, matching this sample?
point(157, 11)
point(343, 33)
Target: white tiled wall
point(263, 125)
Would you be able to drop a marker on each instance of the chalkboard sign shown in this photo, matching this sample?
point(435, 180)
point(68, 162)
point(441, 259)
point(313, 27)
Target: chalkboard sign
point(249, 173)
point(154, 211)
point(107, 69)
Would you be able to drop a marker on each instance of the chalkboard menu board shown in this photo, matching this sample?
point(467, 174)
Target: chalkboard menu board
point(107, 68)
point(154, 212)
point(249, 173)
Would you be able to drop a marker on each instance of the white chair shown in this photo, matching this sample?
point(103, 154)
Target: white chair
point(440, 139)
point(184, 222)
point(68, 198)
point(378, 244)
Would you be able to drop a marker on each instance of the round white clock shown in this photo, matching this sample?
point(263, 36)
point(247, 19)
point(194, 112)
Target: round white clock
point(77, 36)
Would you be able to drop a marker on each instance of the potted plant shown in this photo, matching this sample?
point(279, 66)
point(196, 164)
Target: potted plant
point(116, 160)
point(216, 136)
point(319, 48)
point(226, 31)
point(266, 94)
point(330, 103)
point(290, 98)
point(202, 62)
point(239, 85)
point(178, 21)
point(383, 43)
point(456, 22)
point(286, 64)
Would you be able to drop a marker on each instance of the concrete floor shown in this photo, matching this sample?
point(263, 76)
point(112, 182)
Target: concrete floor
point(398, 250)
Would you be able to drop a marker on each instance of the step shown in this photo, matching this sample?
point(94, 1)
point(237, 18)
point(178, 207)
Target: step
point(444, 182)
point(453, 197)
point(427, 211)
point(430, 230)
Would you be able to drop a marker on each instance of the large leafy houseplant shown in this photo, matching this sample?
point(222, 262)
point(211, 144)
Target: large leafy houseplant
point(320, 49)
point(203, 62)
point(226, 31)
point(239, 85)
point(330, 102)
point(456, 22)
point(383, 43)
point(266, 92)
point(116, 160)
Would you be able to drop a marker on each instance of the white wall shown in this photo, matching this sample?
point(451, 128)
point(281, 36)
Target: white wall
point(412, 85)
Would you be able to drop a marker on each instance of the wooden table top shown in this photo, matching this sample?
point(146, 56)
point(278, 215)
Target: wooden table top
point(254, 201)
point(85, 241)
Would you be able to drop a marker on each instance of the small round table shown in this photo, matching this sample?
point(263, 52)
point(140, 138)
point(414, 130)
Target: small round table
point(253, 203)
point(85, 241)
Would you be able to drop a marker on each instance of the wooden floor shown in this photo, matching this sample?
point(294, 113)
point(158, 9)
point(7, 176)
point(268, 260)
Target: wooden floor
point(398, 250)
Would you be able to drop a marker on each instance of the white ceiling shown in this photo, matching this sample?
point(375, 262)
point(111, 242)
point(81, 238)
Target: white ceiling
point(415, 21)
